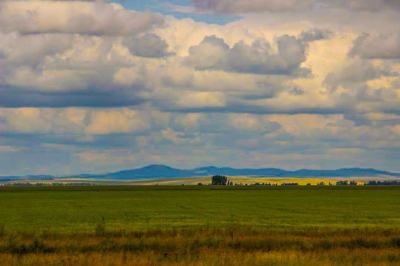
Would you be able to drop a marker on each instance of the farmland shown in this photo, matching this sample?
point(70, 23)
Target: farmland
point(194, 225)
point(195, 180)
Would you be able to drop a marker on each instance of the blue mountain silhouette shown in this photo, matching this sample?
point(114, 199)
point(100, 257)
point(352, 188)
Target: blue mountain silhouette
point(163, 171)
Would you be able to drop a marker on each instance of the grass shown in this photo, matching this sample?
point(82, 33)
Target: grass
point(192, 225)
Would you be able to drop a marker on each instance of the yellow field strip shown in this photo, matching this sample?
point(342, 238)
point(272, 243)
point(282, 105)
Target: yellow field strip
point(204, 180)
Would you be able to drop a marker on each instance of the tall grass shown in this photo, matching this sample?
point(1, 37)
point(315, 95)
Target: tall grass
point(204, 246)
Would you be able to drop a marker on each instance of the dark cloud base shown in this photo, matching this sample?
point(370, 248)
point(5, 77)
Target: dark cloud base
point(17, 98)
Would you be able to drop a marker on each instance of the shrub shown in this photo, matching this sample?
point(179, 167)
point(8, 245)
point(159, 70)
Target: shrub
point(2, 230)
point(395, 242)
point(100, 229)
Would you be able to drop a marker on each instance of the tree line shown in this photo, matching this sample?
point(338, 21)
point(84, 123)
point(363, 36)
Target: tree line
point(221, 180)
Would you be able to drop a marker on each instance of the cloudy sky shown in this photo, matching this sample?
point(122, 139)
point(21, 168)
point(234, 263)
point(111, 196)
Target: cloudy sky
point(90, 87)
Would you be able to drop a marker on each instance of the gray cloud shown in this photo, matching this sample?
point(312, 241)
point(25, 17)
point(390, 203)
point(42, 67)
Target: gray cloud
point(384, 46)
point(360, 71)
point(373, 5)
point(16, 97)
point(315, 34)
point(258, 58)
point(244, 6)
point(78, 17)
point(62, 70)
point(16, 46)
point(148, 45)
point(396, 83)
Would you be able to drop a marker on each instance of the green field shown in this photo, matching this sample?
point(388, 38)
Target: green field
point(368, 216)
point(141, 208)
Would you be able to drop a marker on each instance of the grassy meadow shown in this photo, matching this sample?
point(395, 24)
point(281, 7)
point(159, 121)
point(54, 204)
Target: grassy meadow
point(199, 225)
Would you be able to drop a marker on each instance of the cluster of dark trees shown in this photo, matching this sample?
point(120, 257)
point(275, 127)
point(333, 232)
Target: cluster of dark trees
point(219, 180)
point(265, 184)
point(28, 185)
point(346, 183)
point(383, 183)
point(50, 184)
point(73, 184)
point(289, 184)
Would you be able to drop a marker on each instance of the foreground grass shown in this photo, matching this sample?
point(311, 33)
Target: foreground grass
point(229, 246)
point(200, 226)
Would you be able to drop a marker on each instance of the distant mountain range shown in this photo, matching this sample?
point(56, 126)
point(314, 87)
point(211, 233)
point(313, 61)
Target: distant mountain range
point(163, 171)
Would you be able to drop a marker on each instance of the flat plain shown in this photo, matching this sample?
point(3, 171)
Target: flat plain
point(200, 225)
point(203, 180)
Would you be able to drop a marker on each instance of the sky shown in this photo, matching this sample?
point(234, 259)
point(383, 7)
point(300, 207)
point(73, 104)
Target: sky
point(97, 86)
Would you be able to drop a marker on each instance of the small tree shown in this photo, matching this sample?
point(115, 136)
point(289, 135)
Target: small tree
point(219, 180)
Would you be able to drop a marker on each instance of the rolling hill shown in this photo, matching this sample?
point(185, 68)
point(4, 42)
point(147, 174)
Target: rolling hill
point(163, 171)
